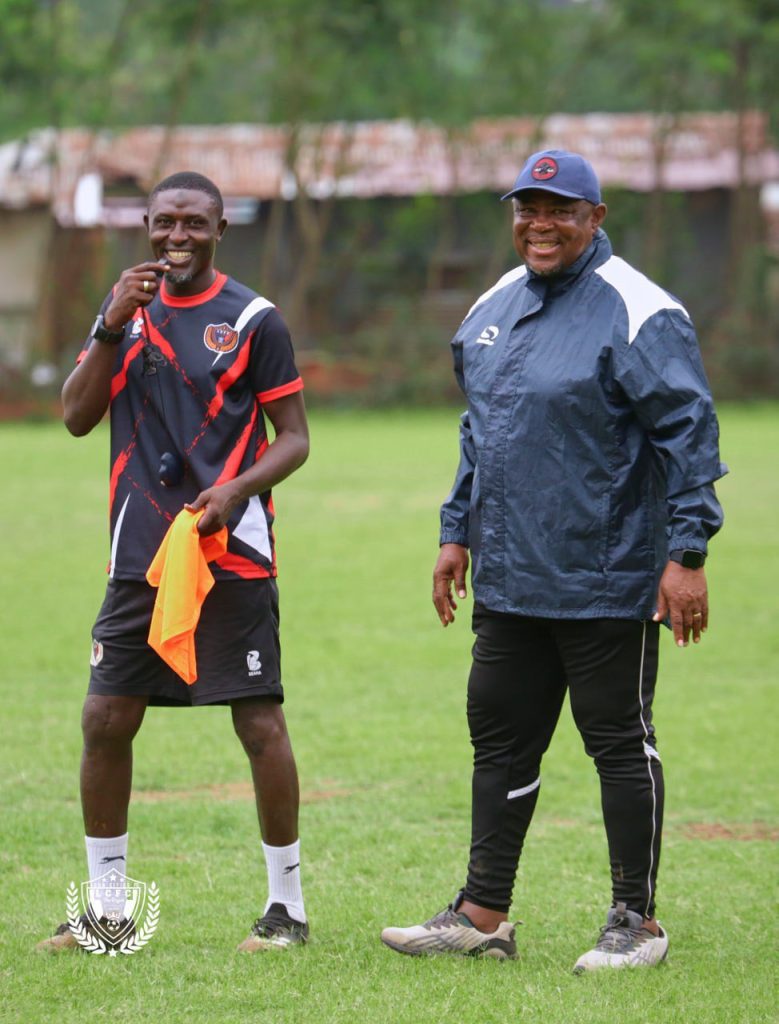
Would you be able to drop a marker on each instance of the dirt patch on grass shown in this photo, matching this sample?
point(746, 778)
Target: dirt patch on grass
point(705, 831)
point(739, 831)
point(226, 791)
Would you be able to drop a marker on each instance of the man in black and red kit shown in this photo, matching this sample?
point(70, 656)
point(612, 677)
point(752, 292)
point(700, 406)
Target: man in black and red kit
point(191, 363)
point(585, 498)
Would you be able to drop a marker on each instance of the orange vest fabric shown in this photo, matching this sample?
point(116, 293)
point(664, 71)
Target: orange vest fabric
point(181, 575)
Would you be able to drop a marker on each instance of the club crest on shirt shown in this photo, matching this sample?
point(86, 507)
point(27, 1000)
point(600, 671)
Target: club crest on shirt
point(220, 338)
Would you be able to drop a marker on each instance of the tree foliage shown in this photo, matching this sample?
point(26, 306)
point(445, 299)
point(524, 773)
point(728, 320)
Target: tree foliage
point(123, 62)
point(117, 63)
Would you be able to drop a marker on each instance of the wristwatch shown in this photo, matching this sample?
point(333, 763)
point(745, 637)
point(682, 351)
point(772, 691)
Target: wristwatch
point(688, 558)
point(101, 333)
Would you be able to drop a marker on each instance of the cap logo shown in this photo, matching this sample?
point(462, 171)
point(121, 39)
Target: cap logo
point(544, 169)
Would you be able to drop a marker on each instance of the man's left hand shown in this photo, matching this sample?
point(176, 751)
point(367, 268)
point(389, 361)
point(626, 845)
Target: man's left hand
point(683, 597)
point(218, 503)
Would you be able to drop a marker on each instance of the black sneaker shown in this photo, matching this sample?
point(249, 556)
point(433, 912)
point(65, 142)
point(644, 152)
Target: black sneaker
point(107, 931)
point(453, 932)
point(275, 930)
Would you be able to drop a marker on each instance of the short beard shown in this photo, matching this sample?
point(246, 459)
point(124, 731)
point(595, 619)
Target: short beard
point(173, 278)
point(551, 272)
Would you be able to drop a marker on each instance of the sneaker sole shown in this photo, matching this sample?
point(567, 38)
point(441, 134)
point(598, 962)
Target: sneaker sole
point(494, 953)
point(618, 967)
point(268, 947)
point(52, 946)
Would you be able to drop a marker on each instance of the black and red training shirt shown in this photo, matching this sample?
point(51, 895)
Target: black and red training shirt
point(191, 376)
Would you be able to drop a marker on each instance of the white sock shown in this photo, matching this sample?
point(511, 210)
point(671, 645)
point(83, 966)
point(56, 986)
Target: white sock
point(283, 864)
point(104, 854)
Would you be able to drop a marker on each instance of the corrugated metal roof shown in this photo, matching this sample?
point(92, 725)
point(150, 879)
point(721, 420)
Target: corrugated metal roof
point(391, 158)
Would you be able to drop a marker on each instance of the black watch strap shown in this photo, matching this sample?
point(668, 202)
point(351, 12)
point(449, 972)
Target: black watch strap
point(101, 333)
point(688, 558)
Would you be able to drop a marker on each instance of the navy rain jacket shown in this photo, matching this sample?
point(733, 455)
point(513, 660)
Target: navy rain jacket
point(590, 443)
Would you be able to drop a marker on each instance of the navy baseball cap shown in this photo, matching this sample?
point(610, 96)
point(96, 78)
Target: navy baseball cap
point(558, 171)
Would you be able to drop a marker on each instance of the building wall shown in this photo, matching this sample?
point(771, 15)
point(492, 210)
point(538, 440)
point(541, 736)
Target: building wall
point(389, 285)
point(25, 237)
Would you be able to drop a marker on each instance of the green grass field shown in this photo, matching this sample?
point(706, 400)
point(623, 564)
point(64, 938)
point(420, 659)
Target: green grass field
point(375, 704)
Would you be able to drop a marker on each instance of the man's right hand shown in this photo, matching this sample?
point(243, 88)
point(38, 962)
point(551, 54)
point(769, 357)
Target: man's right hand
point(87, 391)
point(451, 568)
point(130, 292)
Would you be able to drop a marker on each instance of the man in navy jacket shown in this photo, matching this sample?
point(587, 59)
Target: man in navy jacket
point(585, 497)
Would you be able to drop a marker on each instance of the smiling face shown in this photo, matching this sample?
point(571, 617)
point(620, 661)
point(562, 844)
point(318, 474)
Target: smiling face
point(551, 232)
point(184, 227)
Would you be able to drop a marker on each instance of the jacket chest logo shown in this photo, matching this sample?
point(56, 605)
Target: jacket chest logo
point(220, 338)
point(488, 335)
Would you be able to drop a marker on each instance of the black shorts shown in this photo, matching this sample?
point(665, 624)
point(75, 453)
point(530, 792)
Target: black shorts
point(236, 646)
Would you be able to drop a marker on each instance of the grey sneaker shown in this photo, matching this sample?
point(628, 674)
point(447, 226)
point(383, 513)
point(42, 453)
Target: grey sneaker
point(624, 942)
point(452, 932)
point(275, 930)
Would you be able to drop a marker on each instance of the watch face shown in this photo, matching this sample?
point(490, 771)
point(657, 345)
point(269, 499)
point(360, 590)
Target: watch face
point(102, 333)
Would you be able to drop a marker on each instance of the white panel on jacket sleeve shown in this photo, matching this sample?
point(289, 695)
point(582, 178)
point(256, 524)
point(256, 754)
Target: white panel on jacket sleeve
point(253, 528)
point(641, 296)
point(512, 275)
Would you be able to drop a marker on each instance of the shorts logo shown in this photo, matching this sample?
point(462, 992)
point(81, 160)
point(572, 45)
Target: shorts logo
point(253, 663)
point(97, 653)
point(545, 169)
point(220, 338)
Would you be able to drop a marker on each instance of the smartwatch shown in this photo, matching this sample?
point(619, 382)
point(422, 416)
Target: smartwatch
point(101, 333)
point(688, 558)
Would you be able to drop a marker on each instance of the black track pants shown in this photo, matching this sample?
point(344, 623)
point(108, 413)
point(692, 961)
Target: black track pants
point(521, 669)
